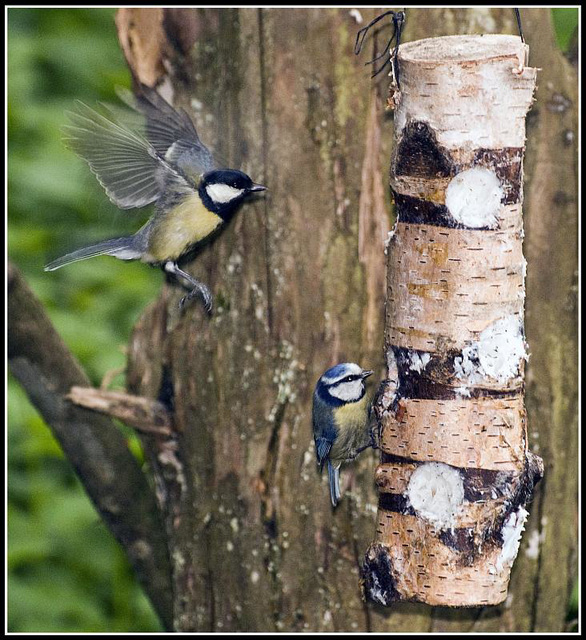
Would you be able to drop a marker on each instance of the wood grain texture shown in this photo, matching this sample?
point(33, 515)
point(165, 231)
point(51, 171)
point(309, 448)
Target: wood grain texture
point(255, 545)
point(294, 294)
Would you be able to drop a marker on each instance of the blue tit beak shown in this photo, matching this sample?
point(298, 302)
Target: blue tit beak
point(257, 187)
point(365, 374)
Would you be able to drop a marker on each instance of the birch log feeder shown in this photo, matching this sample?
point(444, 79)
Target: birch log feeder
point(455, 473)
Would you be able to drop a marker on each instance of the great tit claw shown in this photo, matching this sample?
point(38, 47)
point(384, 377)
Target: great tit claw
point(205, 295)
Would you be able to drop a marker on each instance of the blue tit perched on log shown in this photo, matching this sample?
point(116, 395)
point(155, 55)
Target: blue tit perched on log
point(166, 164)
point(341, 419)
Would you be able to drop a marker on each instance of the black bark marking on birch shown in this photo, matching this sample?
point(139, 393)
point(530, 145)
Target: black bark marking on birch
point(485, 484)
point(519, 493)
point(377, 576)
point(397, 503)
point(419, 155)
point(436, 380)
point(463, 541)
point(419, 211)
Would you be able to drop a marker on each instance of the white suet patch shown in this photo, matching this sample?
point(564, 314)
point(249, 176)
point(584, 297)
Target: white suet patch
point(390, 235)
point(497, 354)
point(511, 534)
point(418, 362)
point(436, 492)
point(474, 197)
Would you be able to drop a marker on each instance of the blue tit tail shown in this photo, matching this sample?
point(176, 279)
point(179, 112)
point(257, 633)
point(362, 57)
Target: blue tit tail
point(123, 248)
point(334, 476)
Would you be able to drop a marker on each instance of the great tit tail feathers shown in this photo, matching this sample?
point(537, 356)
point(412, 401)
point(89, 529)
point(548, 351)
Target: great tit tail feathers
point(122, 248)
point(334, 477)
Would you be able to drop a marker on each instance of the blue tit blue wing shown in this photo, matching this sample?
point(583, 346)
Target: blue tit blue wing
point(322, 450)
point(334, 478)
point(171, 132)
point(324, 429)
point(127, 166)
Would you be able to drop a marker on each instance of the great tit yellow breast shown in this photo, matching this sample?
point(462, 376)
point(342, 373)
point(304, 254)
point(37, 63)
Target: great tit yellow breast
point(351, 424)
point(184, 225)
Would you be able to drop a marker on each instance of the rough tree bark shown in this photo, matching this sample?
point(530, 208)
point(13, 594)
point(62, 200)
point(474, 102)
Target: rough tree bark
point(299, 284)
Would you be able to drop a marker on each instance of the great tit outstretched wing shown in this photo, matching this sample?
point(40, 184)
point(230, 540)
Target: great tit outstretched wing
point(128, 166)
point(171, 132)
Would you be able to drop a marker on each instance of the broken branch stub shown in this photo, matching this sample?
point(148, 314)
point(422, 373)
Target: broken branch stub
point(455, 472)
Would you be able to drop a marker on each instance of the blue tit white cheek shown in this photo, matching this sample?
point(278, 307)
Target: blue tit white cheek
point(348, 391)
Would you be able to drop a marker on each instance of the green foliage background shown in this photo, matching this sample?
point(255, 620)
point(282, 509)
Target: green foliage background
point(65, 571)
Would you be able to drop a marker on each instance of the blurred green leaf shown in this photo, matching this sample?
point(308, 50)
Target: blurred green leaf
point(565, 22)
point(66, 573)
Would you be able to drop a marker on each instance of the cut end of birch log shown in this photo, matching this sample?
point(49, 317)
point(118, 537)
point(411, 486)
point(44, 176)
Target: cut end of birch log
point(455, 474)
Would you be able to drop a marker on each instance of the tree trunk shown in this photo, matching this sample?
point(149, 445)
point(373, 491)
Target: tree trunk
point(299, 285)
point(298, 282)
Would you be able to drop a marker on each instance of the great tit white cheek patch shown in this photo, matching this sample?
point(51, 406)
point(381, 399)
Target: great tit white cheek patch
point(223, 193)
point(473, 198)
point(436, 492)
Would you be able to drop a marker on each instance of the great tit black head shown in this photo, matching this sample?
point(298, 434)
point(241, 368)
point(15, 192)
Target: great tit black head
point(222, 190)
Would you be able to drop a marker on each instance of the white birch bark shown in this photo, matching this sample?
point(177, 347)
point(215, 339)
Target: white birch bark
point(455, 472)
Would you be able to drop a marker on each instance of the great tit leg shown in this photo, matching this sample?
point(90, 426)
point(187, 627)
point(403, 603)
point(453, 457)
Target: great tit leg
point(197, 287)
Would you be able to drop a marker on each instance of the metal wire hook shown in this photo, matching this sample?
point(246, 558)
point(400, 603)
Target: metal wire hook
point(398, 18)
point(518, 16)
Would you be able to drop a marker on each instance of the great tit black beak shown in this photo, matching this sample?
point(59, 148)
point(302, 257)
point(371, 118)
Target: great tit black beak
point(258, 187)
point(365, 374)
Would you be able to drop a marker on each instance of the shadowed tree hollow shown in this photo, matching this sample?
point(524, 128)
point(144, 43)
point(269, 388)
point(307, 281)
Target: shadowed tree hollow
point(243, 537)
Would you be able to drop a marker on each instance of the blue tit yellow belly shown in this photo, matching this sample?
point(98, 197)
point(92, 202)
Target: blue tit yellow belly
point(182, 226)
point(352, 426)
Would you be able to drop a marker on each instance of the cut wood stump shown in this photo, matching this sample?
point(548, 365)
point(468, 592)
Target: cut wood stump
point(455, 473)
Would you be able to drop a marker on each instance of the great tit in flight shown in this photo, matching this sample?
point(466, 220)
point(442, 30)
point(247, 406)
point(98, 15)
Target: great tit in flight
point(166, 164)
